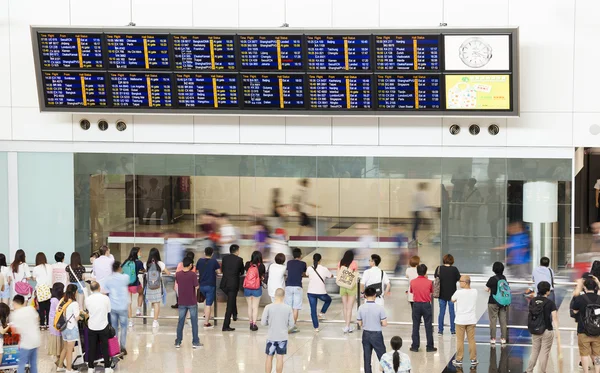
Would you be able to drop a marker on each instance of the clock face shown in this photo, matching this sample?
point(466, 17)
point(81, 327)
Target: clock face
point(475, 52)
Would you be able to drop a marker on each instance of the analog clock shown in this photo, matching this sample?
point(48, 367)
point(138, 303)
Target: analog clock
point(475, 52)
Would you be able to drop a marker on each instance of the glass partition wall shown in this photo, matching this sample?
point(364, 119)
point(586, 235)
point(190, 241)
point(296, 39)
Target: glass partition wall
point(320, 204)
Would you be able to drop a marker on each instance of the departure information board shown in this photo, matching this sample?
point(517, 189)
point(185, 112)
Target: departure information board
point(271, 52)
point(207, 90)
point(406, 52)
point(65, 51)
point(285, 71)
point(200, 52)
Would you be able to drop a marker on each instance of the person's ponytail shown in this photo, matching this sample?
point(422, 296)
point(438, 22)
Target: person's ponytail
point(316, 260)
point(396, 361)
point(396, 343)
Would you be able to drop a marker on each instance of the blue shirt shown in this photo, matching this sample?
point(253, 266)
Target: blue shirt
point(518, 249)
point(371, 314)
point(295, 269)
point(116, 287)
point(207, 270)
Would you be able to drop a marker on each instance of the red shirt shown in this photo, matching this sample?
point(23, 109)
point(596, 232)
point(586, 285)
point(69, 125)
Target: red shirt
point(421, 288)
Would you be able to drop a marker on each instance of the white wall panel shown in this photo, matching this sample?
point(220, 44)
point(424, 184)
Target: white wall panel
point(540, 129)
point(22, 15)
point(410, 131)
point(5, 123)
point(308, 130)
point(94, 133)
point(586, 129)
point(301, 13)
point(100, 13)
point(464, 138)
point(217, 130)
point(587, 29)
point(261, 13)
point(355, 13)
point(30, 124)
point(222, 13)
point(5, 55)
point(355, 131)
point(474, 13)
point(424, 13)
point(262, 130)
point(160, 13)
point(163, 128)
point(546, 37)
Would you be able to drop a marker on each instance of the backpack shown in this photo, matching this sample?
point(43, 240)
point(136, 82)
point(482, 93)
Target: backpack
point(130, 270)
point(60, 323)
point(591, 317)
point(503, 295)
point(252, 280)
point(154, 282)
point(437, 283)
point(535, 318)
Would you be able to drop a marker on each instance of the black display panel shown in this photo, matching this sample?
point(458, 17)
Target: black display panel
point(409, 92)
point(407, 52)
point(202, 52)
point(142, 52)
point(273, 91)
point(340, 92)
point(271, 52)
point(75, 89)
point(338, 52)
point(207, 90)
point(143, 90)
point(66, 51)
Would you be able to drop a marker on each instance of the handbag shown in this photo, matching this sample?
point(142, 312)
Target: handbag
point(346, 278)
point(200, 296)
point(436, 283)
point(22, 287)
point(42, 291)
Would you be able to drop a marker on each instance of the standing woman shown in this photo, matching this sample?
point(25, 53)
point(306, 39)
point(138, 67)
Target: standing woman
point(55, 341)
point(255, 274)
point(449, 276)
point(18, 271)
point(42, 274)
point(71, 333)
point(133, 266)
point(154, 287)
point(5, 293)
point(348, 295)
point(316, 290)
point(75, 267)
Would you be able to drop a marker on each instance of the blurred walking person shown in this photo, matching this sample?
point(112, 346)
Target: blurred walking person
point(419, 208)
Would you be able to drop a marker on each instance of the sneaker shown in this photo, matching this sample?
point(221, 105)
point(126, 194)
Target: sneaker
point(130, 324)
point(293, 330)
point(138, 312)
point(177, 345)
point(457, 363)
point(493, 341)
point(350, 329)
point(155, 324)
point(322, 316)
point(474, 362)
point(197, 345)
point(123, 352)
point(453, 333)
point(440, 333)
point(502, 341)
point(345, 329)
point(255, 327)
point(208, 326)
point(108, 370)
point(316, 330)
point(63, 369)
point(432, 349)
point(414, 349)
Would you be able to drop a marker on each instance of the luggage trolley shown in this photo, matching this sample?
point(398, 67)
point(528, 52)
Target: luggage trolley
point(10, 355)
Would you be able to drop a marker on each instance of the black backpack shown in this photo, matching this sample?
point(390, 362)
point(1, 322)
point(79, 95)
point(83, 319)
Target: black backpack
point(591, 317)
point(535, 319)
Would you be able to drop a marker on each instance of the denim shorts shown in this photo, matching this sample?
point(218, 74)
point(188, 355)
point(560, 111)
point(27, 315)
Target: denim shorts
point(79, 287)
point(70, 335)
point(253, 293)
point(276, 347)
point(209, 293)
point(293, 297)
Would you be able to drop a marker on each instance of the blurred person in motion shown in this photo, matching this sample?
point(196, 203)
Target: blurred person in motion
point(371, 317)
point(133, 267)
point(302, 205)
point(494, 212)
point(188, 286)
point(465, 300)
point(228, 234)
point(276, 276)
point(402, 252)
point(396, 361)
point(472, 203)
point(26, 321)
point(419, 208)
point(188, 254)
point(518, 253)
point(174, 249)
point(449, 276)
point(317, 290)
point(207, 269)
point(98, 306)
point(348, 295)
point(296, 270)
point(279, 317)
point(42, 274)
point(154, 289)
point(366, 242)
point(459, 182)
point(255, 274)
point(155, 202)
point(233, 267)
point(261, 237)
point(422, 288)
point(278, 208)
point(376, 278)
point(116, 285)
point(411, 274)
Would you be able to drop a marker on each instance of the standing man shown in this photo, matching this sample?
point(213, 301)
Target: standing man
point(116, 287)
point(232, 267)
point(545, 309)
point(207, 269)
point(421, 288)
point(296, 269)
point(98, 306)
point(588, 345)
point(544, 273)
point(465, 300)
point(187, 281)
point(371, 317)
point(103, 265)
point(376, 278)
point(279, 317)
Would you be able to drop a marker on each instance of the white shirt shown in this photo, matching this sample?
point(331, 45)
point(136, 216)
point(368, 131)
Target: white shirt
point(59, 273)
point(315, 284)
point(420, 201)
point(411, 274)
point(26, 321)
point(103, 267)
point(597, 185)
point(465, 306)
point(276, 278)
point(22, 273)
point(73, 310)
point(98, 305)
point(303, 199)
point(373, 276)
point(4, 273)
point(43, 274)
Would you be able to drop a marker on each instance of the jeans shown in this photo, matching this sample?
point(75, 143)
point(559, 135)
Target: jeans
point(422, 309)
point(312, 300)
point(118, 319)
point(442, 314)
point(28, 357)
point(44, 312)
point(95, 336)
point(372, 341)
point(183, 310)
point(496, 312)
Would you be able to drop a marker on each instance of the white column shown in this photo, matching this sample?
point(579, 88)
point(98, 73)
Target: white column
point(13, 205)
point(540, 208)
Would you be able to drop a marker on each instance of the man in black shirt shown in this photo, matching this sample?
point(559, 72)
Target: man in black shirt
point(232, 267)
point(542, 343)
point(495, 310)
point(588, 345)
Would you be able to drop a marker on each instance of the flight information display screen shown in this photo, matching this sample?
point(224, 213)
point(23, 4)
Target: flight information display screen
point(408, 92)
point(142, 52)
point(338, 52)
point(143, 90)
point(67, 51)
point(271, 52)
point(340, 91)
point(406, 52)
point(207, 90)
point(201, 52)
point(273, 91)
point(68, 89)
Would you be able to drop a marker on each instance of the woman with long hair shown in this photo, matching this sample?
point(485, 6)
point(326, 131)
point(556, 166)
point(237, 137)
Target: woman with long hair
point(5, 293)
point(18, 271)
point(55, 341)
point(316, 289)
point(255, 274)
point(71, 333)
point(348, 295)
point(395, 361)
point(133, 266)
point(154, 289)
point(75, 271)
point(42, 274)
point(449, 275)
